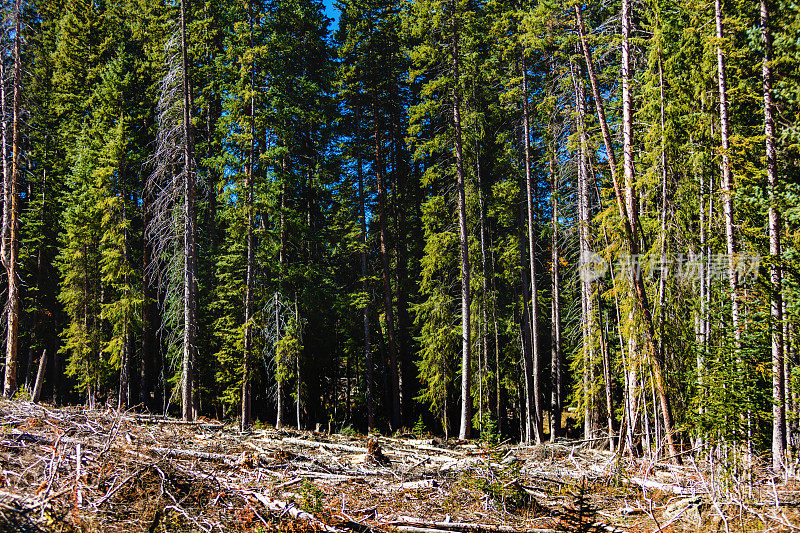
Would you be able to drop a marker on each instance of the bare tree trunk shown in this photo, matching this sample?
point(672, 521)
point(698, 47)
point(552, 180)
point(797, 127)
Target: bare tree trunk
point(727, 191)
point(279, 385)
point(466, 358)
point(606, 374)
point(525, 335)
point(365, 287)
point(633, 245)
point(585, 251)
point(631, 196)
point(498, 390)
point(149, 370)
point(407, 369)
point(189, 239)
point(12, 266)
point(37, 388)
point(662, 280)
point(776, 303)
point(4, 241)
point(556, 402)
point(297, 367)
point(535, 356)
point(387, 284)
point(124, 393)
point(247, 393)
point(484, 280)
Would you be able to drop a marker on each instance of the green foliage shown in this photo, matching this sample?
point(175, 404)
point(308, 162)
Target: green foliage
point(349, 431)
point(287, 351)
point(490, 437)
point(311, 497)
point(501, 487)
point(419, 428)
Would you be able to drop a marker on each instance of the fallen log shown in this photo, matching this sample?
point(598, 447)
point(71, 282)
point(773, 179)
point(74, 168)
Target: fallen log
point(145, 419)
point(425, 526)
point(329, 445)
point(421, 484)
point(278, 506)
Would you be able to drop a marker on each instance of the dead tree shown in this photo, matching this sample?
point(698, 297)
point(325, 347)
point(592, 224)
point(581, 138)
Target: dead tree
point(11, 220)
point(172, 229)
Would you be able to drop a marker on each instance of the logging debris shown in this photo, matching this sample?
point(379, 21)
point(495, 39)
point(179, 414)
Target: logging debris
point(74, 469)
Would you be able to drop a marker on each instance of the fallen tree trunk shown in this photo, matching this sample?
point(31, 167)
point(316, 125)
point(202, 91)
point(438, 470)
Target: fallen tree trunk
point(425, 526)
point(278, 506)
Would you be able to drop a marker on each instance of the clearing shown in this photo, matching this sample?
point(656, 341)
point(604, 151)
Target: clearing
point(72, 469)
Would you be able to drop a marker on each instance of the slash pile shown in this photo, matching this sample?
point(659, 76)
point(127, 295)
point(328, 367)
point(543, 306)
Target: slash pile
point(72, 469)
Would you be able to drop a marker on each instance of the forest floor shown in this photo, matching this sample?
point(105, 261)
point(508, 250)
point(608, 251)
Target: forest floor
point(72, 469)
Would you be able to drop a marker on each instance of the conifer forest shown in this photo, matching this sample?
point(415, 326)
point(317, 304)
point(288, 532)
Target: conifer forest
point(477, 218)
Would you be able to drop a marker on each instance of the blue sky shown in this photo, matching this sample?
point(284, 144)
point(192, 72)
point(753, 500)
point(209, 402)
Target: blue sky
point(331, 12)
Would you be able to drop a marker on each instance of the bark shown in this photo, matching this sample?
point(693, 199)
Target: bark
point(535, 356)
point(484, 274)
point(627, 135)
point(37, 388)
point(556, 384)
point(246, 414)
point(633, 245)
point(279, 385)
point(387, 285)
point(365, 287)
point(631, 196)
point(189, 239)
point(776, 303)
point(602, 332)
point(662, 280)
point(466, 357)
point(527, 409)
point(124, 378)
point(727, 191)
point(407, 370)
point(4, 241)
point(498, 389)
point(149, 368)
point(126, 365)
point(12, 266)
point(585, 251)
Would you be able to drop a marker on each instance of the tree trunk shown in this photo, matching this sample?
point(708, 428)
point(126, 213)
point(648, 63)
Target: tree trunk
point(633, 245)
point(527, 407)
point(602, 331)
point(387, 284)
point(407, 369)
point(556, 385)
point(662, 279)
point(466, 359)
point(126, 364)
point(12, 266)
point(149, 369)
point(498, 389)
point(727, 191)
point(585, 252)
point(365, 287)
point(535, 356)
point(189, 239)
point(247, 413)
point(297, 367)
point(776, 304)
point(484, 273)
point(279, 385)
point(5, 240)
point(37, 388)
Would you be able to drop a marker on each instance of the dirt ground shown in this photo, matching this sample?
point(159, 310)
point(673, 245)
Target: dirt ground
point(72, 469)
